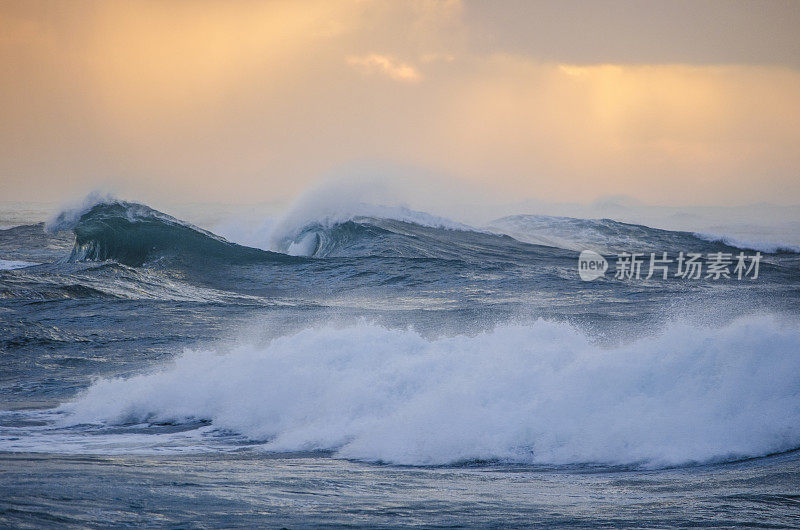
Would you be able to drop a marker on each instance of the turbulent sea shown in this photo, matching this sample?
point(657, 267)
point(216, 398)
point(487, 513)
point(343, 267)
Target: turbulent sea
point(387, 368)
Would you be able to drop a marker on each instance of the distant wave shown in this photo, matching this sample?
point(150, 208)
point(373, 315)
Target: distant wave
point(133, 234)
point(539, 393)
point(601, 235)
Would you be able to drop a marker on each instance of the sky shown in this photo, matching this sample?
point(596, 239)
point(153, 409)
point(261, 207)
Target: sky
point(668, 103)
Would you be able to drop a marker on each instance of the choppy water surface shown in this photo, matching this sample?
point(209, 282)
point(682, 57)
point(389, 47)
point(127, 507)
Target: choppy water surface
point(389, 368)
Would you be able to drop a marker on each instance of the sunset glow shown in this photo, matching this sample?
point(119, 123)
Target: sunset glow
point(267, 97)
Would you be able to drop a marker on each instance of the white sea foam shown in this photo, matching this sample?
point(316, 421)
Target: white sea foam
point(537, 393)
point(14, 264)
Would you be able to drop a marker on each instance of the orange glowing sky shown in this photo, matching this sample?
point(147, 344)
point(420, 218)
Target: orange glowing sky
point(242, 101)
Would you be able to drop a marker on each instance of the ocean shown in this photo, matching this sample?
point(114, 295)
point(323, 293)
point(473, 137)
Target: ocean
point(385, 367)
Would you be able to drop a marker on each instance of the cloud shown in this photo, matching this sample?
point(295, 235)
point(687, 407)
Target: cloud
point(437, 57)
point(210, 101)
point(375, 63)
point(710, 32)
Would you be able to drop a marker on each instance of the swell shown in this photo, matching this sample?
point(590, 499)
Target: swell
point(607, 236)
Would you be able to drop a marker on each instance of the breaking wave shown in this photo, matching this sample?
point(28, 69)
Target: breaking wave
point(134, 234)
point(540, 393)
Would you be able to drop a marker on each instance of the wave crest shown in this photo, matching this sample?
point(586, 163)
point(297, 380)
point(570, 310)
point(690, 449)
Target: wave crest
point(134, 234)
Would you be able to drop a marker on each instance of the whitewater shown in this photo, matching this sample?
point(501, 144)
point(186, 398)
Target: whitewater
point(538, 393)
point(293, 362)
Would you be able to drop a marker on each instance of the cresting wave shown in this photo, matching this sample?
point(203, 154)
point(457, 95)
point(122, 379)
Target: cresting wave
point(134, 234)
point(542, 393)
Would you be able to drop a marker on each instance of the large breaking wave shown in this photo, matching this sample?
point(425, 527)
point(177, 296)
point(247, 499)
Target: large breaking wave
point(539, 393)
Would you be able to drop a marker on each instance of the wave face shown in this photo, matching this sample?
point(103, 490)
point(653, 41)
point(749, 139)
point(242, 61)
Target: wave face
point(384, 237)
point(539, 393)
point(134, 234)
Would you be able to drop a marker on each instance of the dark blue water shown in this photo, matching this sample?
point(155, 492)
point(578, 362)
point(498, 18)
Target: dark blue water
point(389, 371)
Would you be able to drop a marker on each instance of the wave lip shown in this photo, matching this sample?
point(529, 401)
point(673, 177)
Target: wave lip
point(133, 234)
point(538, 394)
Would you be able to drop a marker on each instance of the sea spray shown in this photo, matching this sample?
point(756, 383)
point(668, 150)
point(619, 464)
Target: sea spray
point(543, 393)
